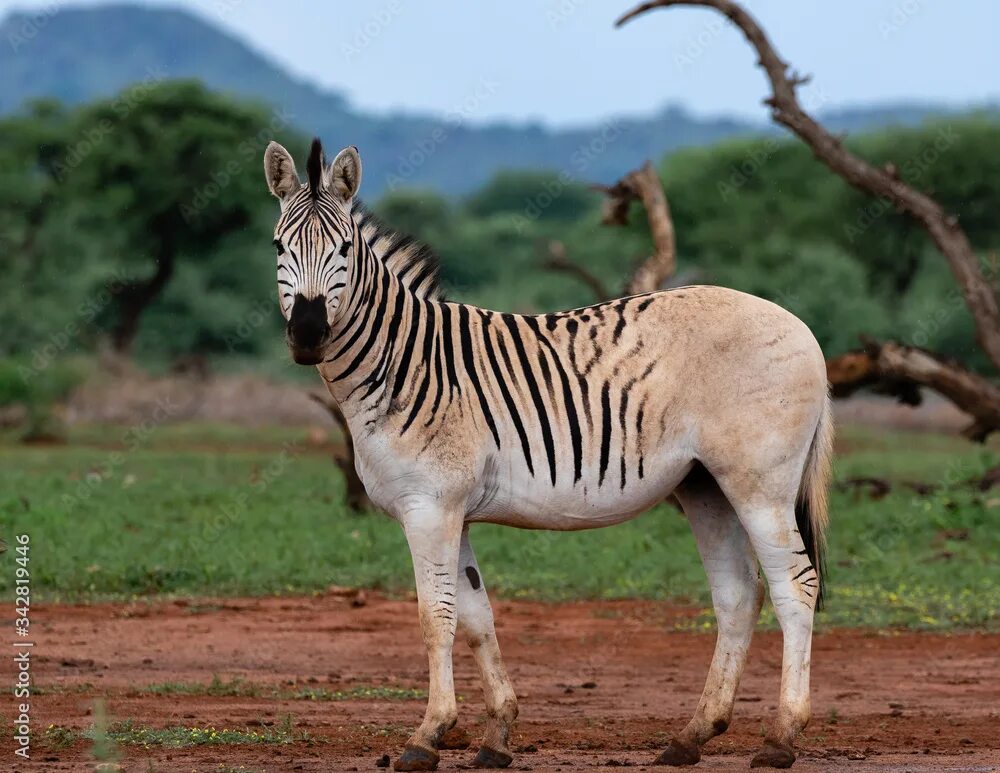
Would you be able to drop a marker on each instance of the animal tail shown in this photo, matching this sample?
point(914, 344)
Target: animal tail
point(811, 507)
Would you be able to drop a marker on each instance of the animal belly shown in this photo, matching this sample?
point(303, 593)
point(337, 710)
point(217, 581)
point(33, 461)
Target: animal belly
point(530, 504)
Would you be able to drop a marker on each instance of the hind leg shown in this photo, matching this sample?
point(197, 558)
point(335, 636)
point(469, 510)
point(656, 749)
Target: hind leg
point(737, 593)
point(793, 584)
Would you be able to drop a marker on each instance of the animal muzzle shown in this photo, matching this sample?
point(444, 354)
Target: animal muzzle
point(308, 331)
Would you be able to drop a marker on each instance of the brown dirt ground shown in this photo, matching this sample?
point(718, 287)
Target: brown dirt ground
point(889, 701)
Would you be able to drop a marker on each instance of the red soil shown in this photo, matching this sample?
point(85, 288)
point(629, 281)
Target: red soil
point(881, 701)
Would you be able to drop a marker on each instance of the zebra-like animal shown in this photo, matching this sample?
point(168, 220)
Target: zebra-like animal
point(565, 421)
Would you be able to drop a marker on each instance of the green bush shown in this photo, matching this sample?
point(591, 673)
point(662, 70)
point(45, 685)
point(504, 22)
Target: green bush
point(40, 386)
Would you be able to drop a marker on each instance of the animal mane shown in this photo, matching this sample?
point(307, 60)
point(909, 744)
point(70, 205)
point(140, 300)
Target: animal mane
point(413, 263)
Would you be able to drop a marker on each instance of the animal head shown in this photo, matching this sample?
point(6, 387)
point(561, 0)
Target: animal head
point(314, 241)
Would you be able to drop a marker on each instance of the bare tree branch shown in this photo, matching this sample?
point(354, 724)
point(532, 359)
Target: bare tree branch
point(892, 368)
point(644, 184)
point(942, 227)
point(558, 260)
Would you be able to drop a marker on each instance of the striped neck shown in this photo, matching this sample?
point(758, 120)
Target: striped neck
point(364, 354)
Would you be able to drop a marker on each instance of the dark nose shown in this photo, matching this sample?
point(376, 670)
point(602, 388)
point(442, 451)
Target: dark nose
point(308, 329)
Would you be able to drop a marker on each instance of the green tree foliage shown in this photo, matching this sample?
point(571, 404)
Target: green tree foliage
point(165, 181)
point(532, 195)
point(140, 215)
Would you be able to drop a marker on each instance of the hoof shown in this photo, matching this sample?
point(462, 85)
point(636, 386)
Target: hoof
point(491, 758)
point(773, 756)
point(678, 754)
point(417, 758)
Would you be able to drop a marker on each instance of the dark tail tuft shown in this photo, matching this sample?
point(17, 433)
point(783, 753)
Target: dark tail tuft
point(811, 508)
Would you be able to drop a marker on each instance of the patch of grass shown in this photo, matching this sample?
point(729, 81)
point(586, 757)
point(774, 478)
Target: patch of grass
point(217, 687)
point(56, 737)
point(188, 520)
point(128, 733)
point(359, 694)
point(239, 688)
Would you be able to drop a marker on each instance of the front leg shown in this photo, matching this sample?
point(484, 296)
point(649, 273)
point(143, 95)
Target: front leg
point(434, 535)
point(475, 619)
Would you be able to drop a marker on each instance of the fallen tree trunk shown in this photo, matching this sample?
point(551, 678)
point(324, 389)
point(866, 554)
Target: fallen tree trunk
point(894, 369)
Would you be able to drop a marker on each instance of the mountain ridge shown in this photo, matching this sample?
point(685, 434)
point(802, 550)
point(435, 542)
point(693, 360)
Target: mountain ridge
point(77, 54)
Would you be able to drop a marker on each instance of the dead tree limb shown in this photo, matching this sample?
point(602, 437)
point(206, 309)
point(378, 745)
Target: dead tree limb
point(355, 494)
point(892, 368)
point(942, 227)
point(643, 184)
point(558, 260)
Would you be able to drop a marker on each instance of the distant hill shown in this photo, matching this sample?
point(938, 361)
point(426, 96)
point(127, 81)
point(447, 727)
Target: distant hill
point(78, 54)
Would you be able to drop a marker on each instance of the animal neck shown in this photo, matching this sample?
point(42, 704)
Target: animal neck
point(368, 338)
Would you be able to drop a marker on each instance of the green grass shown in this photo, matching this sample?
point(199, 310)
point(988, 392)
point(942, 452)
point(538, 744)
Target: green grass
point(204, 511)
point(128, 733)
point(242, 689)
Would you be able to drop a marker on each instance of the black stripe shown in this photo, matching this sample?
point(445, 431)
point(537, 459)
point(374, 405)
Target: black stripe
point(449, 352)
point(605, 429)
point(376, 328)
point(543, 419)
point(620, 324)
point(505, 392)
point(429, 338)
point(470, 369)
point(572, 418)
point(638, 434)
point(402, 372)
point(394, 323)
point(804, 571)
point(441, 342)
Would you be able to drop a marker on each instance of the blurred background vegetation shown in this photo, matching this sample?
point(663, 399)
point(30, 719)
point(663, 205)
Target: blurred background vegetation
point(135, 243)
point(160, 197)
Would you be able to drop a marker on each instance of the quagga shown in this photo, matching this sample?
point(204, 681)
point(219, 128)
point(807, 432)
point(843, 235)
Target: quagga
point(564, 421)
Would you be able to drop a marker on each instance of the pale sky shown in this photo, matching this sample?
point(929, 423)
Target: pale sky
point(561, 61)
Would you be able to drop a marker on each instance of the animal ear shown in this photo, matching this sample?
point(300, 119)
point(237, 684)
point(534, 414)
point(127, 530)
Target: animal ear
point(279, 169)
point(345, 174)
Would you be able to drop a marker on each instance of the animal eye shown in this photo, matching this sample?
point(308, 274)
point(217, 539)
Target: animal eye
point(277, 244)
